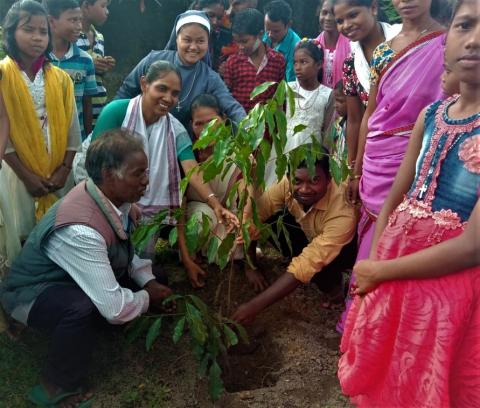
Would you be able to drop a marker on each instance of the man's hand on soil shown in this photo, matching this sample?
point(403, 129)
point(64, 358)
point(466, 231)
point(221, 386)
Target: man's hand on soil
point(246, 313)
point(256, 279)
point(158, 293)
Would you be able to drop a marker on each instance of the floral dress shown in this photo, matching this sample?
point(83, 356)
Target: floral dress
point(421, 337)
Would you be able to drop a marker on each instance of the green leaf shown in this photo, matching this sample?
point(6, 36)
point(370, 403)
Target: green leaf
point(209, 134)
point(191, 233)
point(231, 338)
point(274, 236)
point(178, 330)
point(280, 93)
point(270, 121)
point(281, 163)
point(186, 180)
point(136, 328)
point(211, 171)
point(246, 234)
point(299, 128)
point(195, 323)
point(220, 151)
point(171, 298)
point(205, 231)
point(213, 249)
point(242, 333)
point(143, 234)
point(281, 120)
point(173, 237)
point(291, 101)
point(261, 89)
point(203, 366)
point(215, 383)
point(287, 238)
point(224, 250)
point(200, 304)
point(153, 333)
point(232, 194)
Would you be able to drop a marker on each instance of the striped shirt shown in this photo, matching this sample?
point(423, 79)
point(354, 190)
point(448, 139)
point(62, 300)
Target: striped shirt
point(95, 50)
point(79, 65)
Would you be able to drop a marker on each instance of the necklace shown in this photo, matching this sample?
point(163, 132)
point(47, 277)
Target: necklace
point(179, 105)
point(313, 98)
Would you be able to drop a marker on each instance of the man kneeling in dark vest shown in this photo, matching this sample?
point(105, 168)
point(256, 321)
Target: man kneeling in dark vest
point(71, 265)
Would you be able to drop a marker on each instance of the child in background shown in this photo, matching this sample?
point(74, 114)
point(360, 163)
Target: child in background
point(255, 63)
point(340, 124)
point(450, 82)
point(65, 18)
point(204, 109)
point(314, 103)
point(412, 336)
point(94, 14)
point(336, 46)
point(42, 126)
point(279, 35)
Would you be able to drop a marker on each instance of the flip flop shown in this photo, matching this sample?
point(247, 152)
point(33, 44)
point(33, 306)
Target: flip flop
point(38, 395)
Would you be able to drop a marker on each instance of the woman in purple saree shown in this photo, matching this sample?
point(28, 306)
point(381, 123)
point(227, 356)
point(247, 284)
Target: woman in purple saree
point(402, 84)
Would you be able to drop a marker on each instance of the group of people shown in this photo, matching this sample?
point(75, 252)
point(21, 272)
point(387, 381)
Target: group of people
point(400, 104)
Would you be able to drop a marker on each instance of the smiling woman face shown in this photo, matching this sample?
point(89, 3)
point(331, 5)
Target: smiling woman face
point(160, 95)
point(192, 43)
point(355, 22)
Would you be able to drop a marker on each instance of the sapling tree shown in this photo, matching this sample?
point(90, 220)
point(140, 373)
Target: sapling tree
point(248, 146)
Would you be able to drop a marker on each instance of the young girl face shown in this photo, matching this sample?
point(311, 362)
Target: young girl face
point(450, 82)
point(462, 52)
point(201, 117)
point(192, 43)
point(305, 67)
point(355, 22)
point(326, 18)
point(31, 36)
point(412, 9)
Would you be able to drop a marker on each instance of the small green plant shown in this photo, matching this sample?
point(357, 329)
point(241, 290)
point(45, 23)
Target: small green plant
point(246, 147)
point(210, 335)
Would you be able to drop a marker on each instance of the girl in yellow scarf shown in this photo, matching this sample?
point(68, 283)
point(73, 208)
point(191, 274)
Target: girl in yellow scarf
point(43, 131)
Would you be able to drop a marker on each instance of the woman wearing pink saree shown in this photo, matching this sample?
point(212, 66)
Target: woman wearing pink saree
point(403, 82)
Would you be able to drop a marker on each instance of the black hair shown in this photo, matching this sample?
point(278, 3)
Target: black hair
point(110, 152)
point(279, 10)
point(339, 86)
point(315, 51)
point(322, 162)
point(89, 2)
point(356, 3)
point(248, 21)
point(19, 10)
point(455, 7)
point(201, 4)
point(206, 101)
point(56, 7)
point(159, 69)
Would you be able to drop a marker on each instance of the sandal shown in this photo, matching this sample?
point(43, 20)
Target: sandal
point(38, 396)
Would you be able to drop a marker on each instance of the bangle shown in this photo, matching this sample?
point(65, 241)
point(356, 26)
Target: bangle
point(356, 177)
point(210, 196)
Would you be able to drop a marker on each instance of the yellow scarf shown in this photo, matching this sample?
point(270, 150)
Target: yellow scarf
point(25, 132)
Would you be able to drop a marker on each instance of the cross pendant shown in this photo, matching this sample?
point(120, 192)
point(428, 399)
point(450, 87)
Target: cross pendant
point(422, 190)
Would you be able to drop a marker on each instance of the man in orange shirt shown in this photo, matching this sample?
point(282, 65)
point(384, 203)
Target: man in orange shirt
point(321, 226)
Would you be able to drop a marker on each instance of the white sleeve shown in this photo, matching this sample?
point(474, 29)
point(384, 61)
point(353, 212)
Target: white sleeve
point(82, 253)
point(141, 271)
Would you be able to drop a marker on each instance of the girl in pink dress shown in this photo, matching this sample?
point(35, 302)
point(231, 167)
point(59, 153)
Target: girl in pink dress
point(336, 47)
point(414, 339)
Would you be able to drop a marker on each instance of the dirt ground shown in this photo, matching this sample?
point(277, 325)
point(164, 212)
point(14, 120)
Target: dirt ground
point(291, 361)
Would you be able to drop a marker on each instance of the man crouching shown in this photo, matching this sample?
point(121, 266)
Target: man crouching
point(71, 265)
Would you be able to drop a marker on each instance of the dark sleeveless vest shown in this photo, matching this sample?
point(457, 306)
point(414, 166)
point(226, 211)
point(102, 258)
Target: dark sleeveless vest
point(32, 271)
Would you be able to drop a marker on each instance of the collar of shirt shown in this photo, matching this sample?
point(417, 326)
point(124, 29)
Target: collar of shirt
point(284, 45)
point(263, 64)
point(73, 51)
point(122, 213)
